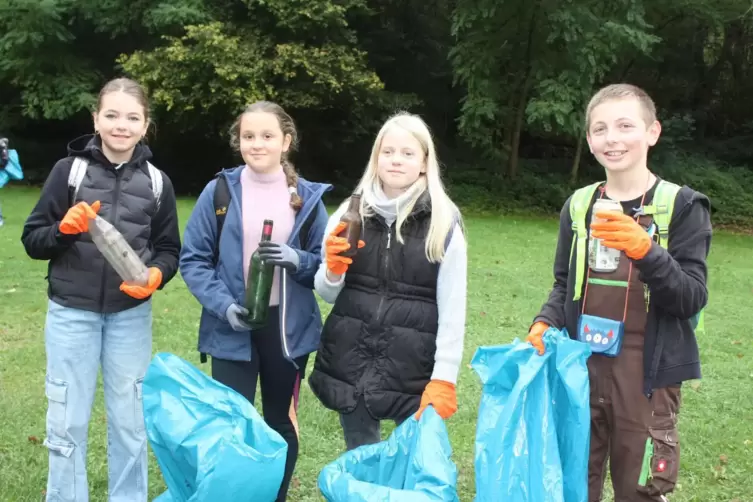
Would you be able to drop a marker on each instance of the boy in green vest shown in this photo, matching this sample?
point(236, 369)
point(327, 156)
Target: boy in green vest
point(631, 284)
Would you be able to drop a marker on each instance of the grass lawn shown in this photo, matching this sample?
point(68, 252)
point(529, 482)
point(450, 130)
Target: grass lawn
point(509, 274)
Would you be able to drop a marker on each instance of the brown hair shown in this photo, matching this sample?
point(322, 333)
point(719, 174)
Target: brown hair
point(621, 91)
point(287, 126)
point(128, 86)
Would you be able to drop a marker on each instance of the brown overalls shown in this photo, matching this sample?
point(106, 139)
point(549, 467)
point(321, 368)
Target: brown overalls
point(622, 417)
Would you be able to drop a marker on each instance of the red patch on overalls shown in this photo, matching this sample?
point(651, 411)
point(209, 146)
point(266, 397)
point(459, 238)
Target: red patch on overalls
point(661, 466)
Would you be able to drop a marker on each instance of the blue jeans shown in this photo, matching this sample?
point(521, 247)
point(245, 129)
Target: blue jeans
point(77, 341)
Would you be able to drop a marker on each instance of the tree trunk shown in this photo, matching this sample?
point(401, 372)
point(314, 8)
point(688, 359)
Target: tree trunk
point(576, 161)
point(520, 108)
point(520, 114)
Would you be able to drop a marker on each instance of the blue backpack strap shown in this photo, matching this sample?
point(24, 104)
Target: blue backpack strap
point(579, 204)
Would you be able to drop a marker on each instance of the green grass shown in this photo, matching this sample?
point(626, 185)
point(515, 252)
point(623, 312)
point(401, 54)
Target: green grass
point(509, 274)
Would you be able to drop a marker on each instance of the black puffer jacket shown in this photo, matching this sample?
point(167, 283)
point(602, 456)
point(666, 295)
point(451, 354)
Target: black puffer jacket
point(79, 276)
point(379, 340)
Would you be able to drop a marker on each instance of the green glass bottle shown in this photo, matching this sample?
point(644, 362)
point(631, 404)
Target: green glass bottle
point(259, 284)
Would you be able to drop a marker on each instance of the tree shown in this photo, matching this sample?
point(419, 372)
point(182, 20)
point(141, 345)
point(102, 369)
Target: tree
point(566, 49)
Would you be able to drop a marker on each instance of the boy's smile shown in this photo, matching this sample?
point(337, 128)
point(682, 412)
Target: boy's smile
point(619, 135)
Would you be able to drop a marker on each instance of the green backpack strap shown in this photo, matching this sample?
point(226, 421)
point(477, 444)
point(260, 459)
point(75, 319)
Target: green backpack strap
point(579, 204)
point(661, 208)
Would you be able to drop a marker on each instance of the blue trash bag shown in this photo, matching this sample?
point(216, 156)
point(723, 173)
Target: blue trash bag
point(210, 442)
point(412, 465)
point(534, 421)
point(12, 170)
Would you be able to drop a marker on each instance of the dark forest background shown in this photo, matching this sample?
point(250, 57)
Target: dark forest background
point(502, 83)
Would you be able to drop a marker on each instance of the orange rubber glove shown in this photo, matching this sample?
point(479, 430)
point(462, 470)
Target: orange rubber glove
point(442, 396)
point(535, 334)
point(620, 231)
point(141, 292)
point(335, 245)
point(76, 220)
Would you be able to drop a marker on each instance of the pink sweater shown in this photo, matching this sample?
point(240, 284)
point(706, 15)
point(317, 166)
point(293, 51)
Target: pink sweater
point(265, 197)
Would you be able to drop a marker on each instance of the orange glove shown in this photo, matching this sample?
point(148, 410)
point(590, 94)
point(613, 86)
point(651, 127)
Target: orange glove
point(76, 220)
point(141, 292)
point(335, 245)
point(620, 231)
point(535, 334)
point(442, 396)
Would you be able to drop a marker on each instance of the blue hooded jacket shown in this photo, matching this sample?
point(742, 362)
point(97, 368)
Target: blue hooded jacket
point(218, 286)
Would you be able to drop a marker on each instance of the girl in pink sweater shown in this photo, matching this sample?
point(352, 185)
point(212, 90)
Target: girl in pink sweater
point(214, 265)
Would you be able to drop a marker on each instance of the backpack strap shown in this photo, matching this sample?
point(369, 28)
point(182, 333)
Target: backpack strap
point(76, 176)
point(579, 204)
point(661, 208)
point(157, 182)
point(78, 171)
point(221, 203)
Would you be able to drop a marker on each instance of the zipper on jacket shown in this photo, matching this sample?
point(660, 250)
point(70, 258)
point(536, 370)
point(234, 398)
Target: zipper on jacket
point(283, 315)
point(284, 284)
point(385, 269)
point(115, 204)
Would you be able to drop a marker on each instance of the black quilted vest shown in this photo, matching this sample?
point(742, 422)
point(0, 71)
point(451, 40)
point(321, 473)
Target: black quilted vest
point(380, 338)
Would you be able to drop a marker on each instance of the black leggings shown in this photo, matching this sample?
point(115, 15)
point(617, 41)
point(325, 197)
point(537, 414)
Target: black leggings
point(280, 382)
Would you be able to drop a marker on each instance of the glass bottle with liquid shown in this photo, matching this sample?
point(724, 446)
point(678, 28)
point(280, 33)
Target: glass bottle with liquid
point(118, 253)
point(352, 218)
point(259, 283)
point(600, 257)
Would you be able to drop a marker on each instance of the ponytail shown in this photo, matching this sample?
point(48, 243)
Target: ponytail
point(292, 178)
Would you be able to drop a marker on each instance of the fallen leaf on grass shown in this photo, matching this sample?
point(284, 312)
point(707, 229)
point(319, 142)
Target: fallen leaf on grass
point(34, 440)
point(723, 459)
point(483, 314)
point(736, 342)
point(695, 385)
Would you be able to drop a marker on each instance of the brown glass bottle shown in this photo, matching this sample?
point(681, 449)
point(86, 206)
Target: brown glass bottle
point(352, 232)
point(259, 283)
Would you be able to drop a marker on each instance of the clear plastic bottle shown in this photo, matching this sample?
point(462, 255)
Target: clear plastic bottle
point(118, 252)
point(600, 257)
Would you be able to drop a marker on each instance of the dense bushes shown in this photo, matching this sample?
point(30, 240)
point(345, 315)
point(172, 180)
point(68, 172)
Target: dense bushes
point(728, 187)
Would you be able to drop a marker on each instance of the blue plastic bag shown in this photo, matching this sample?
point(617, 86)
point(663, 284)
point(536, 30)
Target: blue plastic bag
point(412, 465)
point(534, 422)
point(12, 170)
point(210, 442)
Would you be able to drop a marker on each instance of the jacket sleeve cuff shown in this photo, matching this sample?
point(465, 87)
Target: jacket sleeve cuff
point(62, 238)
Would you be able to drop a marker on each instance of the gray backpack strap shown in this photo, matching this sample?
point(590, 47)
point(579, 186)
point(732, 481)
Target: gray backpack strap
point(76, 176)
point(157, 182)
point(448, 239)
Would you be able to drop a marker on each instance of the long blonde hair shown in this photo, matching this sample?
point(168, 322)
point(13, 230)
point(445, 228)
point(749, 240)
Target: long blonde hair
point(444, 212)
